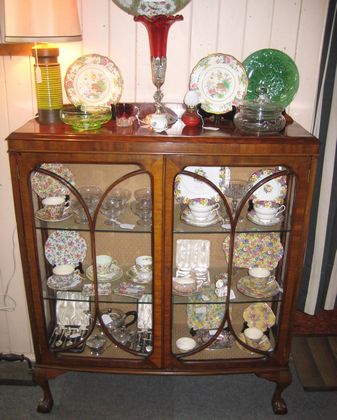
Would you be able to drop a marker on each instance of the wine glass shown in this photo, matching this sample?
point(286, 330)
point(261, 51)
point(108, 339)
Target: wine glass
point(91, 196)
point(143, 206)
point(114, 204)
point(235, 189)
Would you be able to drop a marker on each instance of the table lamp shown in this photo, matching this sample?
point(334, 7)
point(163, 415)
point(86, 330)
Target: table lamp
point(43, 21)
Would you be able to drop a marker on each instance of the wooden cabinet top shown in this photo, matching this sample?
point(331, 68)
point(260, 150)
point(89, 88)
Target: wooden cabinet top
point(36, 137)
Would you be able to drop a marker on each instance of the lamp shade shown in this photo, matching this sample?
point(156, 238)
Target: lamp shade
point(41, 21)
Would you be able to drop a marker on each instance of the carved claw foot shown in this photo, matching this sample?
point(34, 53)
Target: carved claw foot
point(41, 378)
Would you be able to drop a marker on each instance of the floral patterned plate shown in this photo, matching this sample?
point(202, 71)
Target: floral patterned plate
point(151, 7)
point(255, 250)
point(46, 186)
point(259, 315)
point(246, 286)
point(274, 190)
point(65, 247)
point(187, 188)
point(221, 81)
point(93, 80)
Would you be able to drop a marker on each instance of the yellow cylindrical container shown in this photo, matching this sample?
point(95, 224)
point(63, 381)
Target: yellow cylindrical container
point(48, 84)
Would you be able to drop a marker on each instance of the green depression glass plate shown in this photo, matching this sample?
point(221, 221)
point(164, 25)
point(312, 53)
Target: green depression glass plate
point(151, 7)
point(93, 80)
point(221, 82)
point(274, 70)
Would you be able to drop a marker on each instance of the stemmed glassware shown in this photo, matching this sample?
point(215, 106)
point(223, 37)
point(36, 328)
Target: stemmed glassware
point(91, 196)
point(235, 189)
point(114, 205)
point(143, 206)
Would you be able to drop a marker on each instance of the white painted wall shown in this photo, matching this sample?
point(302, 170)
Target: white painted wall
point(236, 27)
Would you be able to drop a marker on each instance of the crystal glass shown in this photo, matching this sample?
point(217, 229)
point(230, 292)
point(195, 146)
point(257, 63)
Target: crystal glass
point(143, 206)
point(91, 195)
point(114, 205)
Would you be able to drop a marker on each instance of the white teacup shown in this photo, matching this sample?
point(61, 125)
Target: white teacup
point(253, 336)
point(268, 210)
point(260, 276)
point(144, 267)
point(202, 208)
point(103, 264)
point(159, 122)
point(54, 206)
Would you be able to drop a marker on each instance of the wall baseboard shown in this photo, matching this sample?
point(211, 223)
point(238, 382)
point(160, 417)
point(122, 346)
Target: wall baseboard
point(324, 323)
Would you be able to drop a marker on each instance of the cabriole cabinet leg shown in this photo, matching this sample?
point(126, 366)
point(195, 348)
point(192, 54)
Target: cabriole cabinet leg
point(41, 378)
point(282, 379)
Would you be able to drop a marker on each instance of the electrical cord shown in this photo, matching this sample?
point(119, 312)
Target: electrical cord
point(11, 305)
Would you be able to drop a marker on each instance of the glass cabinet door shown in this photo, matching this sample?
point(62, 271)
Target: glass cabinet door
point(231, 231)
point(93, 227)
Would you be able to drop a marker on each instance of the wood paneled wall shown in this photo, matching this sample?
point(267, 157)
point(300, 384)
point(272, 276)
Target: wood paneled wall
point(236, 27)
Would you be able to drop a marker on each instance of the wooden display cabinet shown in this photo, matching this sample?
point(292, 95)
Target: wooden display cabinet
point(175, 168)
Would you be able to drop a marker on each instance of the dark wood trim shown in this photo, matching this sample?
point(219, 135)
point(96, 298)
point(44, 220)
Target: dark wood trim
point(325, 323)
point(16, 49)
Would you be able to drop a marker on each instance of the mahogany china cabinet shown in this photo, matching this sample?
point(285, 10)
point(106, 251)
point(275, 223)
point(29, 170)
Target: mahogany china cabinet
point(125, 193)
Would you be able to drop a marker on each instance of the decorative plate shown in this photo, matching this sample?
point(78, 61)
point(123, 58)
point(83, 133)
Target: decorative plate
point(255, 250)
point(187, 188)
point(93, 80)
point(65, 247)
point(221, 82)
point(151, 7)
point(247, 287)
point(274, 190)
point(259, 315)
point(274, 70)
point(47, 186)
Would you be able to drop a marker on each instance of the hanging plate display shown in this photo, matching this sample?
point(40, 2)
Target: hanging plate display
point(273, 190)
point(93, 80)
point(47, 186)
point(65, 247)
point(275, 71)
point(255, 250)
point(221, 82)
point(186, 187)
point(151, 7)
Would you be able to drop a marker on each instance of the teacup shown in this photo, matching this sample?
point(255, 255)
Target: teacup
point(144, 267)
point(253, 336)
point(260, 276)
point(159, 122)
point(54, 207)
point(268, 210)
point(103, 264)
point(202, 208)
point(65, 272)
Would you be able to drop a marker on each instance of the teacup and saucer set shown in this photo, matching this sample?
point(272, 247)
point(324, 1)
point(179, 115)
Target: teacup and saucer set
point(64, 277)
point(201, 212)
point(107, 269)
point(258, 284)
point(266, 213)
point(55, 209)
point(141, 272)
point(255, 338)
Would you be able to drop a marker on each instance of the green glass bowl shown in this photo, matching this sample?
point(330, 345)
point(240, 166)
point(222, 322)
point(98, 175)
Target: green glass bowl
point(274, 71)
point(85, 118)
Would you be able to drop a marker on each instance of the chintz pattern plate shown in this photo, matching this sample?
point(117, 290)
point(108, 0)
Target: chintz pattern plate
point(93, 80)
point(65, 247)
point(221, 82)
point(47, 186)
point(259, 315)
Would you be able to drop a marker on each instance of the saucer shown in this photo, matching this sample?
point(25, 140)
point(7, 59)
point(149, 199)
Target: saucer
point(132, 274)
point(246, 286)
point(187, 217)
point(41, 215)
point(114, 275)
point(252, 216)
point(56, 283)
point(264, 344)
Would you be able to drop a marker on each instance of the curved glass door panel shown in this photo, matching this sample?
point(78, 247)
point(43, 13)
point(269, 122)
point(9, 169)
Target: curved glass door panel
point(92, 223)
point(247, 225)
